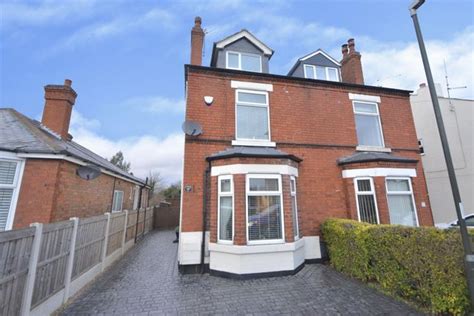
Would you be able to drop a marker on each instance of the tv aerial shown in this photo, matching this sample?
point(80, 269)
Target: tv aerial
point(88, 172)
point(192, 128)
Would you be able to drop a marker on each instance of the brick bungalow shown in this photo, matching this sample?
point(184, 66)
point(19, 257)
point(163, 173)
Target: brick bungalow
point(278, 154)
point(39, 164)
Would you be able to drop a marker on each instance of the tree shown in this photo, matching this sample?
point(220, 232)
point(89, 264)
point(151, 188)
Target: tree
point(155, 181)
point(173, 191)
point(120, 162)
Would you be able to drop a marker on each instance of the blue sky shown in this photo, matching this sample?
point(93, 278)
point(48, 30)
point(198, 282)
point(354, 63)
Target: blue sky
point(126, 58)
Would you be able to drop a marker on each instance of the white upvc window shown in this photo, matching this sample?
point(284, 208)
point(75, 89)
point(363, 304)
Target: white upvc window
point(368, 124)
point(10, 176)
point(265, 224)
point(401, 203)
point(294, 207)
point(225, 209)
point(366, 201)
point(117, 201)
point(243, 61)
point(321, 72)
point(252, 115)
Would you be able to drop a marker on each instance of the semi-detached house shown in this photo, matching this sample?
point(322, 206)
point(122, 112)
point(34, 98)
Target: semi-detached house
point(280, 154)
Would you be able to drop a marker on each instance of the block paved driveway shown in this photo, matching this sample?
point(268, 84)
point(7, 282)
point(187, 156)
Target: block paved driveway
point(146, 282)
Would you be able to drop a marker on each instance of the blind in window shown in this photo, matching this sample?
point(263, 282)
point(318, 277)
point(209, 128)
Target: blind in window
point(264, 216)
point(7, 172)
point(5, 203)
point(366, 201)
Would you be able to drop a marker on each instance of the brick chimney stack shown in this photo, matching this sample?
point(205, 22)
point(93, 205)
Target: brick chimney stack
point(197, 41)
point(351, 66)
point(58, 108)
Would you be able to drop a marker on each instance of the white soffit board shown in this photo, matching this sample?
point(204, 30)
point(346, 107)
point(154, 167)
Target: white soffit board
point(253, 168)
point(364, 97)
point(251, 85)
point(264, 48)
point(379, 172)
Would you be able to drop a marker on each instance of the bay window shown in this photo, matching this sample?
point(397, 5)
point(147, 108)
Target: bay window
point(366, 201)
point(252, 115)
point(264, 209)
point(368, 126)
point(401, 204)
point(9, 186)
point(225, 206)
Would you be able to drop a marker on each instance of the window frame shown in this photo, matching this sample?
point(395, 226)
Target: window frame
point(371, 192)
point(326, 71)
point(369, 114)
point(16, 186)
point(219, 195)
point(267, 105)
point(293, 193)
point(240, 54)
point(411, 193)
point(121, 202)
point(260, 193)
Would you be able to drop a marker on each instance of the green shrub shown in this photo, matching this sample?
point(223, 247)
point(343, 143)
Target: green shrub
point(423, 265)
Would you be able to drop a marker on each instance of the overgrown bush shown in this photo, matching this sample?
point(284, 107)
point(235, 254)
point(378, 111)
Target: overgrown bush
point(423, 265)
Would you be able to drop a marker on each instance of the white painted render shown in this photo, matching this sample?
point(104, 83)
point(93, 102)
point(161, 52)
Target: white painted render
point(251, 85)
point(364, 97)
point(379, 172)
point(190, 248)
point(458, 117)
point(253, 168)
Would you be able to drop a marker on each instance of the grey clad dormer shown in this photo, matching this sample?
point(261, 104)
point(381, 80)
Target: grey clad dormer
point(241, 51)
point(317, 65)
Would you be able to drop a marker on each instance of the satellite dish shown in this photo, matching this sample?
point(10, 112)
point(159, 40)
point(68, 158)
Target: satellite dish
point(88, 172)
point(192, 128)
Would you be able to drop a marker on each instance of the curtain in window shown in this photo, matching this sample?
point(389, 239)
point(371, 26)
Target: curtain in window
point(225, 218)
point(368, 130)
point(401, 210)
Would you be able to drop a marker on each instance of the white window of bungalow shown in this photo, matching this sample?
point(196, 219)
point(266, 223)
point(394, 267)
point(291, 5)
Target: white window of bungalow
point(10, 179)
point(225, 209)
point(117, 201)
point(244, 61)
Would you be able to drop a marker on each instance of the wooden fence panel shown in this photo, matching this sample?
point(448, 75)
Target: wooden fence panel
point(149, 219)
point(117, 222)
point(15, 250)
point(141, 224)
point(51, 268)
point(89, 243)
point(131, 225)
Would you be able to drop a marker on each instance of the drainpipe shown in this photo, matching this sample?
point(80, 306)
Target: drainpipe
point(204, 213)
point(138, 213)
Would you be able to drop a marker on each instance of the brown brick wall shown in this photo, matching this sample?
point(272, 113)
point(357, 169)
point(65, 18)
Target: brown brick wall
point(51, 191)
point(312, 121)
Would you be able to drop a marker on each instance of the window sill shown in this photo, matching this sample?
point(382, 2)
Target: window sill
point(256, 143)
point(373, 148)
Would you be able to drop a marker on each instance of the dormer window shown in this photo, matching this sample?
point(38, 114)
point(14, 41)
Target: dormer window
point(321, 73)
point(244, 61)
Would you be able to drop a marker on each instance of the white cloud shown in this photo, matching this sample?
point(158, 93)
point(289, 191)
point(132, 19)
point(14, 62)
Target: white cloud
point(156, 104)
point(146, 153)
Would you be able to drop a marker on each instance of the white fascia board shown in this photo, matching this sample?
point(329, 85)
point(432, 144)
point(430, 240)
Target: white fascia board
point(264, 48)
point(364, 97)
point(74, 161)
point(322, 53)
point(253, 168)
point(251, 85)
point(379, 172)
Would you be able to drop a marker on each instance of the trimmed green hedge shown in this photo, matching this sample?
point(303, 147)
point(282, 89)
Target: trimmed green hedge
point(423, 265)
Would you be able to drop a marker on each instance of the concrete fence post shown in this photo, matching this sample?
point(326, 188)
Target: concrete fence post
point(31, 276)
point(124, 237)
point(70, 259)
point(106, 241)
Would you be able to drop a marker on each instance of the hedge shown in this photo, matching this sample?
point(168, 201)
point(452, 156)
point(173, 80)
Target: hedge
point(423, 265)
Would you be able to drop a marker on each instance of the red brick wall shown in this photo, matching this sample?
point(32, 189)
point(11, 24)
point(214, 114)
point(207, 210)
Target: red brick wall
point(310, 120)
point(51, 191)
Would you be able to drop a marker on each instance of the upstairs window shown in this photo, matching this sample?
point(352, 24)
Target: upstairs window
point(368, 126)
point(244, 61)
point(252, 115)
point(321, 73)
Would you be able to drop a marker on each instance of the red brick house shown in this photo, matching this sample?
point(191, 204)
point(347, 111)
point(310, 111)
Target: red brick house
point(39, 164)
point(279, 154)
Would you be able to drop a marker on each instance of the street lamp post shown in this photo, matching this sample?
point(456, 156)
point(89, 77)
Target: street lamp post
point(469, 257)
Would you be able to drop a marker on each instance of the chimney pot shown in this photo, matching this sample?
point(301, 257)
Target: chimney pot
point(422, 85)
point(351, 45)
point(67, 82)
point(197, 21)
point(197, 42)
point(351, 66)
point(345, 50)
